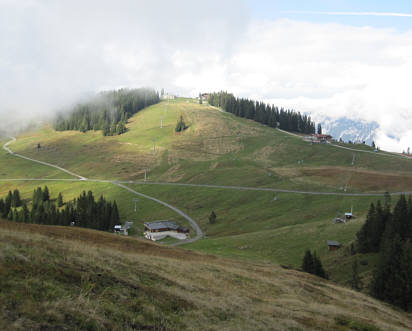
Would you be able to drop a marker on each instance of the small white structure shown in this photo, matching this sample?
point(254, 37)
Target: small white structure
point(348, 216)
point(161, 229)
point(119, 229)
point(168, 97)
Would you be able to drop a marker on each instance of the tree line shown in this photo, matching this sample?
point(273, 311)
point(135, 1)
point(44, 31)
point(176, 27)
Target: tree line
point(108, 111)
point(285, 119)
point(389, 233)
point(83, 211)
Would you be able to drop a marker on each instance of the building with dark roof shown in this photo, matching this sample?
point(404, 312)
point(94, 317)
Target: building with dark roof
point(333, 245)
point(164, 226)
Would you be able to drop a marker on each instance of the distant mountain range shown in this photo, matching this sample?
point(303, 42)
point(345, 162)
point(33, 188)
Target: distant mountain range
point(347, 129)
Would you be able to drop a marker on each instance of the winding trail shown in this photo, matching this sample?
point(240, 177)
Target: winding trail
point(7, 149)
point(199, 232)
point(195, 226)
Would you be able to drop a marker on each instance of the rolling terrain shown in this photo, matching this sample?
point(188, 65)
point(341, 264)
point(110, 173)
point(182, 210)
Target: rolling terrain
point(217, 148)
point(219, 156)
point(58, 276)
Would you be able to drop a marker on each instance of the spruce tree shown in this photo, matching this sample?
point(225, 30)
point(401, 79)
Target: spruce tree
point(1, 207)
point(60, 200)
point(46, 194)
point(8, 204)
point(114, 217)
point(26, 213)
point(317, 267)
point(307, 264)
point(388, 283)
point(212, 217)
point(181, 125)
point(16, 200)
point(364, 235)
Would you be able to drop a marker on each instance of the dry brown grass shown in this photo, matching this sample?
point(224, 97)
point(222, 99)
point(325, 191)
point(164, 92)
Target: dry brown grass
point(203, 292)
point(355, 178)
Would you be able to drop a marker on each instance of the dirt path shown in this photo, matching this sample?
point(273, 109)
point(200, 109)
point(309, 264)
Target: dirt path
point(199, 232)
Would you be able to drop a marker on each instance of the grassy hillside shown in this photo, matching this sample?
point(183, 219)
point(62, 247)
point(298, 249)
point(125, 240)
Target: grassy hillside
point(53, 277)
point(217, 148)
point(253, 225)
point(13, 167)
point(146, 210)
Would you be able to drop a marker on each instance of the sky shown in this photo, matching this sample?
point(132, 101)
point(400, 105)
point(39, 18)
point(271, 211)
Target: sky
point(328, 58)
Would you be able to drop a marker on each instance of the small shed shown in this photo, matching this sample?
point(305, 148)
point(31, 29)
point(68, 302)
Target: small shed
point(322, 138)
point(333, 245)
point(348, 216)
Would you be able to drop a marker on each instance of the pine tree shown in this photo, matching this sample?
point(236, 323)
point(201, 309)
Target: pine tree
point(364, 235)
point(212, 217)
point(1, 207)
point(317, 267)
point(114, 216)
point(307, 264)
point(319, 128)
point(388, 281)
point(46, 194)
point(181, 125)
point(16, 200)
point(60, 200)
point(84, 126)
point(8, 204)
point(26, 214)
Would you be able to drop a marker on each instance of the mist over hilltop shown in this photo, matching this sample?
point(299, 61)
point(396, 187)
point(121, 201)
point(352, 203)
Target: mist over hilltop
point(52, 53)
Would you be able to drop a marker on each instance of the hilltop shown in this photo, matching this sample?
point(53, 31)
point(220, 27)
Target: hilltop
point(274, 194)
point(217, 148)
point(54, 276)
point(221, 149)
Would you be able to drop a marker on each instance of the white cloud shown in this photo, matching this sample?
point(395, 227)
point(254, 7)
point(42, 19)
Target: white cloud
point(53, 51)
point(348, 13)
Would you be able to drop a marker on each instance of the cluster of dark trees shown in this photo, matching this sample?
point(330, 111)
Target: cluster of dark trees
point(284, 119)
point(312, 264)
point(181, 125)
point(389, 233)
point(108, 111)
point(12, 200)
point(83, 211)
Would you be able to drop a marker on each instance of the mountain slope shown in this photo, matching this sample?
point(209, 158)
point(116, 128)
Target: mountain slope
point(217, 148)
point(53, 277)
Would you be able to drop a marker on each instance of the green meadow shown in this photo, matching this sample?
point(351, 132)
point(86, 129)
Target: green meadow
point(218, 148)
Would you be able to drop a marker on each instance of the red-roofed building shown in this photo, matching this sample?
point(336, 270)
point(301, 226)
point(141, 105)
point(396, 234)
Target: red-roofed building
point(322, 138)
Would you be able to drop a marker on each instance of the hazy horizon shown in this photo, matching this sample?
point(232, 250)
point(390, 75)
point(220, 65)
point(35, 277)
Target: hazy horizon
point(330, 60)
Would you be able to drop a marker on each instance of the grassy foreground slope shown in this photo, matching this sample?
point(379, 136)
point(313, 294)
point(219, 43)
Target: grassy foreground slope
point(217, 148)
point(54, 277)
